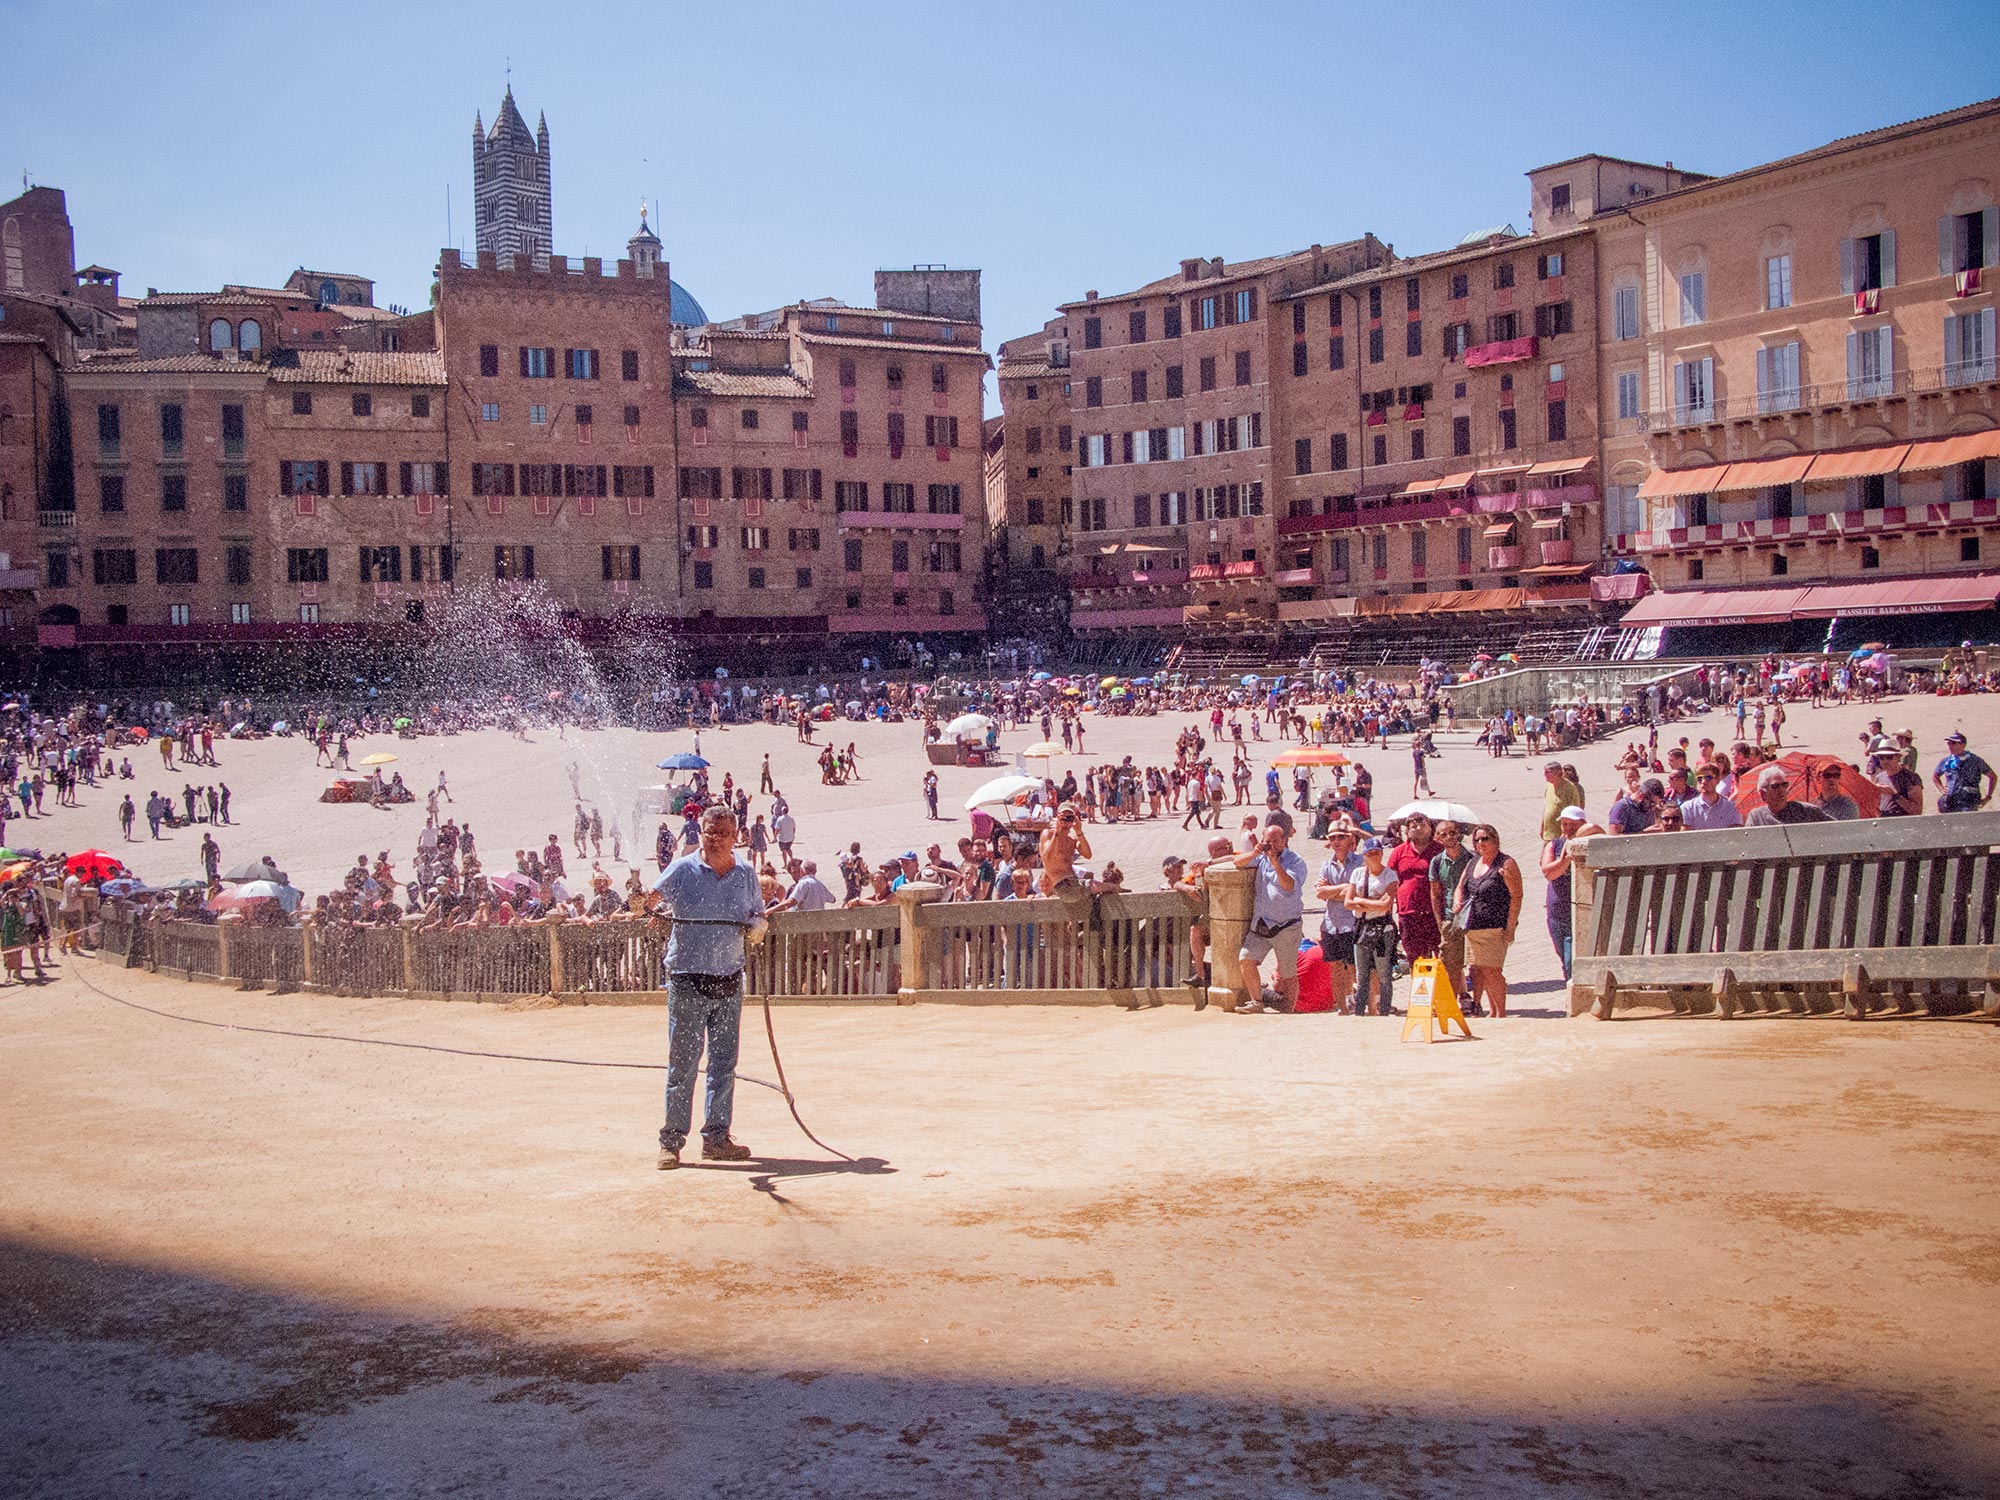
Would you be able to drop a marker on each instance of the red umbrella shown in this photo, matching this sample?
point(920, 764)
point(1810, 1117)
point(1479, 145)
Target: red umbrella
point(95, 864)
point(1805, 768)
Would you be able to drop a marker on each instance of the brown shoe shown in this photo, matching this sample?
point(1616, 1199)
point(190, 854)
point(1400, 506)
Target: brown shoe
point(669, 1159)
point(723, 1150)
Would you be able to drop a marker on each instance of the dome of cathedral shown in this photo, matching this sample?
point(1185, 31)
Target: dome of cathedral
point(686, 312)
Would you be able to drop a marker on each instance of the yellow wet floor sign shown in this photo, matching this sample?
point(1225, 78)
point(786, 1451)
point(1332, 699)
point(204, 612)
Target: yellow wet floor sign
point(1432, 1001)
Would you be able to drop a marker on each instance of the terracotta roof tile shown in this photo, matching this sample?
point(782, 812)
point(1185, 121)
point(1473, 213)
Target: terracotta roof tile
point(842, 341)
point(124, 362)
point(741, 383)
point(361, 367)
point(1031, 369)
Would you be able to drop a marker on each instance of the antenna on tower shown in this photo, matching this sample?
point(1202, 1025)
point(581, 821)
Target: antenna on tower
point(447, 215)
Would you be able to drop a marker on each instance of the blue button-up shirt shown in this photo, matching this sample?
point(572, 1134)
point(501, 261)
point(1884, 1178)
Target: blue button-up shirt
point(1275, 906)
point(696, 892)
point(1697, 815)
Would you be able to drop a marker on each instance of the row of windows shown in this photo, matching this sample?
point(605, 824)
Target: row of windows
point(1417, 441)
point(1966, 242)
point(1139, 382)
point(850, 376)
point(362, 404)
point(173, 430)
point(898, 499)
point(1167, 444)
point(538, 362)
point(111, 494)
point(583, 415)
point(1216, 310)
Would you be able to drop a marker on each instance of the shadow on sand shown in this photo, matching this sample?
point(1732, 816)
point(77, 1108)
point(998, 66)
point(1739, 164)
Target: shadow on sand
point(130, 1380)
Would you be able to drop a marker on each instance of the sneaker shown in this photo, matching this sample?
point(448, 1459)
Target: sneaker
point(669, 1159)
point(723, 1150)
point(1249, 1008)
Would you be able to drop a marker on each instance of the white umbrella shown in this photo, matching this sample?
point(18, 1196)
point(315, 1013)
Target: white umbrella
point(1437, 809)
point(968, 724)
point(1004, 791)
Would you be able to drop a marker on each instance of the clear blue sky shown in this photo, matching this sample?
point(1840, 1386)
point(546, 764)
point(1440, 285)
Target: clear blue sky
point(794, 148)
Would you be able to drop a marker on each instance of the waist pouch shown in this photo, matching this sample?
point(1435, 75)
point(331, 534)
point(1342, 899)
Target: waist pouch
point(1266, 931)
point(710, 986)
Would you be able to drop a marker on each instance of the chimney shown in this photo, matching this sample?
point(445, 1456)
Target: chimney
point(1191, 270)
point(1215, 265)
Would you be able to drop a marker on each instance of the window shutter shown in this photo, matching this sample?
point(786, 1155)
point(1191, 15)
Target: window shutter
point(403, 478)
point(1708, 383)
point(618, 481)
point(649, 481)
point(1847, 268)
point(524, 361)
point(1853, 365)
point(1888, 257)
point(1989, 324)
point(1948, 232)
point(528, 562)
point(444, 479)
point(1885, 359)
point(323, 471)
point(1764, 382)
point(1680, 389)
point(506, 479)
point(1989, 235)
point(285, 485)
point(1953, 364)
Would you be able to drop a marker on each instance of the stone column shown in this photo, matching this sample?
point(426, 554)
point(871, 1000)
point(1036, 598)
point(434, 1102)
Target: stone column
point(556, 975)
point(1230, 896)
point(919, 943)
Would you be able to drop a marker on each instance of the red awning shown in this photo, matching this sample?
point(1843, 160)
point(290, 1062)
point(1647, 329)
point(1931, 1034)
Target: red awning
point(1942, 453)
point(1662, 483)
point(1455, 481)
point(1560, 466)
point(1761, 473)
point(1499, 528)
point(1859, 463)
point(1714, 607)
point(1901, 596)
point(1419, 487)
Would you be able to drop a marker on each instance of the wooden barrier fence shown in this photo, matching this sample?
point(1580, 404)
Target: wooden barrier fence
point(1898, 910)
point(1125, 950)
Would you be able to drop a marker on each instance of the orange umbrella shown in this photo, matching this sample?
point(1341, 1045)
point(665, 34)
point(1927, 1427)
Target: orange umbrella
point(1805, 768)
point(1311, 755)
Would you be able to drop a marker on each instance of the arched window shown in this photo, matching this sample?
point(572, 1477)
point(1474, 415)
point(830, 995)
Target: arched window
point(250, 336)
point(219, 337)
point(10, 240)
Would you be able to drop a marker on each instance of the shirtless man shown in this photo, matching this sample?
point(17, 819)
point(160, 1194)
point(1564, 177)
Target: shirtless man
point(1061, 844)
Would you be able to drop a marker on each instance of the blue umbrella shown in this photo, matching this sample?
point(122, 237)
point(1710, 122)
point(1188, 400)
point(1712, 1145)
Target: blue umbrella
point(1249, 679)
point(122, 887)
point(683, 760)
point(1142, 682)
point(1042, 676)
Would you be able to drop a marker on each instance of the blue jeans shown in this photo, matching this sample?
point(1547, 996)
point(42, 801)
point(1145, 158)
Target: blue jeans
point(693, 1019)
point(1559, 934)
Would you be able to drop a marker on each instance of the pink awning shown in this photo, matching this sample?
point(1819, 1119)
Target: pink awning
point(1714, 607)
point(1901, 596)
point(1617, 586)
point(1504, 352)
point(1762, 473)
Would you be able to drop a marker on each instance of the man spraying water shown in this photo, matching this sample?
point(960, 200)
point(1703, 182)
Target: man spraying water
point(713, 900)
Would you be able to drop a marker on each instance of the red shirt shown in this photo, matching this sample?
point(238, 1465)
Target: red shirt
point(1413, 880)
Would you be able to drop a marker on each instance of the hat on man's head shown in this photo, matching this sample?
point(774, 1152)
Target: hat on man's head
point(908, 854)
point(1170, 861)
point(1570, 815)
point(1883, 745)
point(1956, 737)
point(1906, 734)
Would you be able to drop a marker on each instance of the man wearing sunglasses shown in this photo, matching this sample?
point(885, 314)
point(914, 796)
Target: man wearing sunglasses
point(1708, 808)
point(1063, 843)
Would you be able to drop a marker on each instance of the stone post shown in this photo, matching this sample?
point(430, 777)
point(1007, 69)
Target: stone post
point(409, 960)
point(918, 942)
point(306, 956)
point(556, 976)
point(1231, 894)
point(222, 952)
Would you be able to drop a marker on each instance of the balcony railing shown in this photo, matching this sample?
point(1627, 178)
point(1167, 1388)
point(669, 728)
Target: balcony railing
point(1558, 552)
point(55, 518)
point(1503, 559)
point(1876, 522)
point(1821, 397)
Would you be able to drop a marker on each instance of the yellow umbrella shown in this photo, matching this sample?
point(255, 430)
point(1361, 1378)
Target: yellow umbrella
point(1109, 682)
point(1073, 692)
point(379, 758)
point(1045, 750)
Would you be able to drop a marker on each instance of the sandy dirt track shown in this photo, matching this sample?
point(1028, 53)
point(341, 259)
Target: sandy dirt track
point(1086, 1252)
